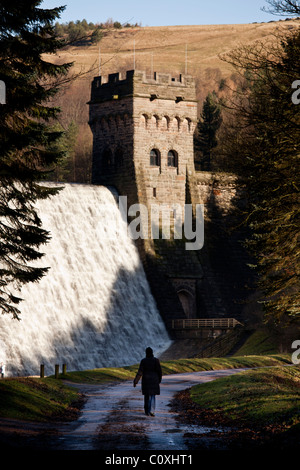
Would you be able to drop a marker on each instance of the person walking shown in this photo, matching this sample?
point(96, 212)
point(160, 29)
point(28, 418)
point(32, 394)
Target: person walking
point(151, 373)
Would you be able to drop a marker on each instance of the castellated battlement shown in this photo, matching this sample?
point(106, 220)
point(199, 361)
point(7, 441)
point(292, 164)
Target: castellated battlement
point(136, 83)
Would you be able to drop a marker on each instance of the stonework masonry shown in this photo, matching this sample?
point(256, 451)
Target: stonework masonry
point(143, 145)
point(134, 116)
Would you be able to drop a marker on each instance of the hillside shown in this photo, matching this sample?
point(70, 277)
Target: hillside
point(163, 49)
point(170, 49)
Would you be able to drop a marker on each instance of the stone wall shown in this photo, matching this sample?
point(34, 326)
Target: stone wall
point(220, 191)
point(228, 282)
point(164, 126)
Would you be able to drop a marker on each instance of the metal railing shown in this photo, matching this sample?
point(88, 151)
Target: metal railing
point(197, 323)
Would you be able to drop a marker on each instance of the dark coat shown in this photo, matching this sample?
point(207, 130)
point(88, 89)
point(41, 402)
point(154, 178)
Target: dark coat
point(150, 371)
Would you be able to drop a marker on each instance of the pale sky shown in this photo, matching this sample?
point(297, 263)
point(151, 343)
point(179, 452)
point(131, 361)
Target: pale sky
point(164, 12)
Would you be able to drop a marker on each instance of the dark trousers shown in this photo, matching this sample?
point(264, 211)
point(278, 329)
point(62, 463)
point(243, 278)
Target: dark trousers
point(149, 404)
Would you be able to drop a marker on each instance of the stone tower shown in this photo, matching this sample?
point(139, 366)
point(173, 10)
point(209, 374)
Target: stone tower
point(143, 135)
point(143, 146)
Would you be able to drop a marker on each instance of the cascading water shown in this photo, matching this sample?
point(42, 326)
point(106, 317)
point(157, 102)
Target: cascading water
point(94, 308)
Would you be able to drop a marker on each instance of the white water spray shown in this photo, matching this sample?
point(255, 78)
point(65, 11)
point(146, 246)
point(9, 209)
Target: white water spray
point(94, 308)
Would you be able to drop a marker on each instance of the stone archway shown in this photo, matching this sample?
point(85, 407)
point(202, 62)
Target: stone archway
point(187, 301)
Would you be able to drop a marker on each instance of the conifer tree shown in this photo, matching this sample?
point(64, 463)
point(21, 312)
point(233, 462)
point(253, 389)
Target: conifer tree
point(65, 145)
point(207, 127)
point(268, 123)
point(26, 35)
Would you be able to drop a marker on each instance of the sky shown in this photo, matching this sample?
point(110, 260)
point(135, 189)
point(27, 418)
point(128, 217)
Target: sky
point(164, 12)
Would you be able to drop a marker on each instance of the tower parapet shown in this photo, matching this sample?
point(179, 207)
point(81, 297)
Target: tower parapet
point(136, 82)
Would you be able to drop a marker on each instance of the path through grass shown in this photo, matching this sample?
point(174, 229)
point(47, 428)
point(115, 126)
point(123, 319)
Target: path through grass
point(49, 399)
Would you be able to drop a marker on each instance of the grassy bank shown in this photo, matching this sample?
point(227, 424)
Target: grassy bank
point(177, 366)
point(49, 399)
point(256, 398)
point(261, 341)
point(32, 399)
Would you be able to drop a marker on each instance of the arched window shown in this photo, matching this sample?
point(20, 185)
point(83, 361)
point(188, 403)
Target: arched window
point(172, 159)
point(154, 157)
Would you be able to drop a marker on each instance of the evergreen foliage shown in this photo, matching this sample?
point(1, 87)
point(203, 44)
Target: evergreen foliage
point(26, 139)
point(267, 141)
point(206, 135)
point(81, 32)
point(96, 36)
point(65, 146)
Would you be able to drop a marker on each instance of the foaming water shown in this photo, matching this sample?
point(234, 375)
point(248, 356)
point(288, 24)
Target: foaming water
point(94, 308)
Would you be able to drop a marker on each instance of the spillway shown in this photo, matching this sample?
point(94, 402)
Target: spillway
point(94, 308)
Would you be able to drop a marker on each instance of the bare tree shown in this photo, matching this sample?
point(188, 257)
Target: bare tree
point(283, 7)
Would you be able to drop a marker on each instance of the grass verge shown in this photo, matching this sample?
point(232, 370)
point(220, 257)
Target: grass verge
point(257, 398)
point(34, 399)
point(105, 375)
